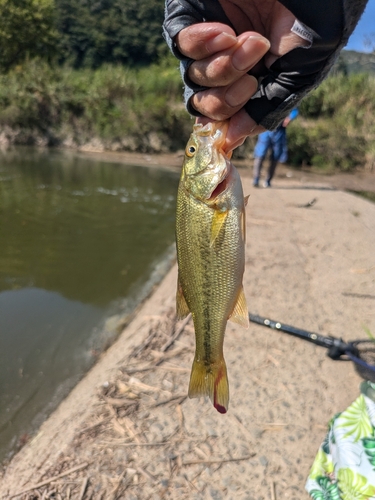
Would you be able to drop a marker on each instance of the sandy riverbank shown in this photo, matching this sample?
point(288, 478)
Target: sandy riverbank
point(359, 180)
point(127, 429)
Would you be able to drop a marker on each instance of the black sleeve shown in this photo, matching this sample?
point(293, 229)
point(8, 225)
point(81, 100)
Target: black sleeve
point(328, 24)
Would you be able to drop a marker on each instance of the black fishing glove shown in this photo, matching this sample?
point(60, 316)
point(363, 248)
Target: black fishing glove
point(325, 24)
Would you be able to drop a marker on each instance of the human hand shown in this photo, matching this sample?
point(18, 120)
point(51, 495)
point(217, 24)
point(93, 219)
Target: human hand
point(211, 37)
point(286, 121)
point(222, 61)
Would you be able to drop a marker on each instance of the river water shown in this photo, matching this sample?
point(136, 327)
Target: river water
point(80, 242)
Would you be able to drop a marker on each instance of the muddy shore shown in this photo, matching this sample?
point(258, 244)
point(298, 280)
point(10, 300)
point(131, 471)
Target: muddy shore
point(127, 429)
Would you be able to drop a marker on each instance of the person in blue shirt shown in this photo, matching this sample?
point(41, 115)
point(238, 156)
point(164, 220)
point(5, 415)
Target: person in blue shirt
point(274, 141)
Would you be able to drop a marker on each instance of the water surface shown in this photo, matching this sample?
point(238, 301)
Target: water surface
point(79, 239)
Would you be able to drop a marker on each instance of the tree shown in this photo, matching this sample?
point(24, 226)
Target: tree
point(26, 30)
point(94, 32)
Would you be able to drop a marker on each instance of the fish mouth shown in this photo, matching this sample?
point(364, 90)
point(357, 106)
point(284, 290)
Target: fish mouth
point(220, 188)
point(222, 185)
point(217, 130)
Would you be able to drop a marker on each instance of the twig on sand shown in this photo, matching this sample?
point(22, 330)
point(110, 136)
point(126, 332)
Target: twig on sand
point(129, 426)
point(148, 368)
point(222, 461)
point(50, 480)
point(181, 397)
point(91, 427)
point(83, 488)
point(192, 485)
point(144, 344)
point(164, 356)
point(180, 418)
point(117, 443)
point(141, 387)
point(113, 493)
point(176, 334)
point(146, 474)
point(273, 491)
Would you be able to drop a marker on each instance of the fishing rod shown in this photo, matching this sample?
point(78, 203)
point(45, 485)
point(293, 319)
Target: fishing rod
point(361, 352)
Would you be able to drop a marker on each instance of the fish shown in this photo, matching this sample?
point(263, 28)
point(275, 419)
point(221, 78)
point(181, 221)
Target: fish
point(210, 241)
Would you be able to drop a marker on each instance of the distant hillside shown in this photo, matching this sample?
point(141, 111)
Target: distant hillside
point(357, 62)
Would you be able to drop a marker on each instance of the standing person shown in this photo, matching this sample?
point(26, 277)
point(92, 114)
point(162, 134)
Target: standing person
point(276, 142)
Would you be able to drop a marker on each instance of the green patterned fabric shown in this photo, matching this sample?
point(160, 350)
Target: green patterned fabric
point(344, 468)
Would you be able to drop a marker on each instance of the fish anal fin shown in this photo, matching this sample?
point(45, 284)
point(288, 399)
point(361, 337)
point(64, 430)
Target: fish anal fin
point(240, 313)
point(210, 380)
point(182, 309)
point(218, 221)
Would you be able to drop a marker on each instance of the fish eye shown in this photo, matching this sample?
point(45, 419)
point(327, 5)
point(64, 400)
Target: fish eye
point(190, 151)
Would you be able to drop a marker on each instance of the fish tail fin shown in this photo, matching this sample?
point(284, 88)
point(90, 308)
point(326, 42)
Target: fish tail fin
point(210, 380)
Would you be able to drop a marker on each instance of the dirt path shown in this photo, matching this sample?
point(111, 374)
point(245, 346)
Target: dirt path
point(128, 431)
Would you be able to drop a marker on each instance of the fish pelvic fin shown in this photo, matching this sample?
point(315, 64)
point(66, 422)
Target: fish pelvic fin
point(182, 309)
point(210, 380)
point(240, 313)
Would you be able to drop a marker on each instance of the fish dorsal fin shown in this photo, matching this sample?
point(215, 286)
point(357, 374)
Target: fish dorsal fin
point(218, 221)
point(182, 309)
point(240, 313)
point(246, 199)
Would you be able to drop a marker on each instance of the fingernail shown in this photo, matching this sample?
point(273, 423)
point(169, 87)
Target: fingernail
point(221, 42)
point(250, 52)
point(241, 91)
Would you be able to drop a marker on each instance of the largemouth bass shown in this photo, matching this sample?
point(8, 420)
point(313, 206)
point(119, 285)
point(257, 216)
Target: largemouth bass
point(210, 235)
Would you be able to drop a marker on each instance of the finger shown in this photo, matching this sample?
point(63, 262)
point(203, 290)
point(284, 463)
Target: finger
point(286, 44)
point(282, 37)
point(229, 65)
point(221, 103)
point(204, 39)
point(241, 126)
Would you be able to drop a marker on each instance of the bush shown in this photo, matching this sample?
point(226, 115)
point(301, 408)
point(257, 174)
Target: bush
point(112, 103)
point(336, 127)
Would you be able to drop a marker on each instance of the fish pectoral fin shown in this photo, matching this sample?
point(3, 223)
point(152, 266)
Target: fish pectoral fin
point(218, 221)
point(240, 313)
point(182, 309)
